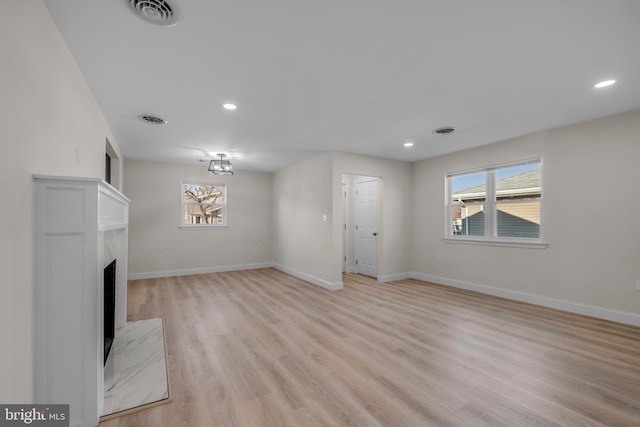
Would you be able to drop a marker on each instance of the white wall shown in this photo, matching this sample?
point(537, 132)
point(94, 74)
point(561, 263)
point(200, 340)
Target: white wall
point(591, 212)
point(395, 208)
point(155, 213)
point(306, 191)
point(47, 112)
point(303, 243)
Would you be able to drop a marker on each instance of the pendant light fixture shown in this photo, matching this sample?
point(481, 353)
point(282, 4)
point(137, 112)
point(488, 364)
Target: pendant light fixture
point(221, 167)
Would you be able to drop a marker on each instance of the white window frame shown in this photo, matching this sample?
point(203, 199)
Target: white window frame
point(222, 225)
point(490, 210)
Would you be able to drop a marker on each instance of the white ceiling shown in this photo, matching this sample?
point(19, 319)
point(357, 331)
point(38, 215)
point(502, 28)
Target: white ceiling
point(361, 76)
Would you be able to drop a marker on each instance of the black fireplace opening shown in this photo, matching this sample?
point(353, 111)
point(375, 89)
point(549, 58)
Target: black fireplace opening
point(109, 307)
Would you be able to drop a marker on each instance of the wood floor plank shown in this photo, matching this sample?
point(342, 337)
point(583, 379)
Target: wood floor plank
point(262, 348)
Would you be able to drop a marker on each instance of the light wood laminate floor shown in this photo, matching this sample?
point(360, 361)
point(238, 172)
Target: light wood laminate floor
point(261, 348)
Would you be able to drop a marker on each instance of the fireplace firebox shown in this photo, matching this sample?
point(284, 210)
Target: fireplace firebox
point(109, 307)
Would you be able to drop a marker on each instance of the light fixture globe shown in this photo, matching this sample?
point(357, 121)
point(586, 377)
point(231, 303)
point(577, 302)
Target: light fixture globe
point(221, 167)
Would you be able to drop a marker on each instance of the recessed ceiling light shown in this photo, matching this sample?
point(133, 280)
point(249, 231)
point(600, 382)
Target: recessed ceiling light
point(408, 144)
point(604, 84)
point(229, 106)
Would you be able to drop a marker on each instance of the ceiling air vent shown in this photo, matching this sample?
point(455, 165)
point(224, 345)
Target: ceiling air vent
point(445, 130)
point(158, 12)
point(152, 120)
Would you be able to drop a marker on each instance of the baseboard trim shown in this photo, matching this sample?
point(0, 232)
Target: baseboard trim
point(202, 270)
point(224, 268)
point(335, 286)
point(625, 317)
point(393, 277)
point(619, 316)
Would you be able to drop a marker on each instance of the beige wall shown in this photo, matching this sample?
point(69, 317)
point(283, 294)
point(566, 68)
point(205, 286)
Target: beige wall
point(47, 112)
point(395, 207)
point(306, 191)
point(289, 231)
point(590, 212)
point(155, 214)
point(302, 194)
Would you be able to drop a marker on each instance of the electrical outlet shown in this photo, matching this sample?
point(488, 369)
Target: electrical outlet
point(165, 254)
point(638, 285)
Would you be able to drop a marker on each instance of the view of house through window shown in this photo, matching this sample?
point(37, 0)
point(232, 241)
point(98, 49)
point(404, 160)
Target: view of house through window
point(203, 204)
point(498, 202)
point(468, 201)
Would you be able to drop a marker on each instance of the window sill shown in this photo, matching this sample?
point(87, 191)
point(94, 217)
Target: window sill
point(505, 243)
point(203, 227)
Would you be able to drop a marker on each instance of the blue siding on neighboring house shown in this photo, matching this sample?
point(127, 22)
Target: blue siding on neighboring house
point(513, 226)
point(473, 225)
point(508, 225)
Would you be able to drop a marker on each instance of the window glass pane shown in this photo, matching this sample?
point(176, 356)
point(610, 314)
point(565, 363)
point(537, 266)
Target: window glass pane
point(203, 193)
point(468, 194)
point(469, 187)
point(203, 204)
point(469, 221)
point(203, 214)
point(520, 219)
point(518, 182)
point(521, 186)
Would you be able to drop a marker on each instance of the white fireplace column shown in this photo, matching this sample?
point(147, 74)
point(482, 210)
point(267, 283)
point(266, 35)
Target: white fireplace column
point(81, 225)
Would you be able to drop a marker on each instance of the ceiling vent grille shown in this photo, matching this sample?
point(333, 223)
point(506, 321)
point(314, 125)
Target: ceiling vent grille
point(445, 130)
point(152, 120)
point(158, 12)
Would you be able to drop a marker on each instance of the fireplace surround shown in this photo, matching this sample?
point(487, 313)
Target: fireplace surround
point(81, 227)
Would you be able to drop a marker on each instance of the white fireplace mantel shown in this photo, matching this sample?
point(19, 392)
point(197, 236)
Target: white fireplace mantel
point(81, 225)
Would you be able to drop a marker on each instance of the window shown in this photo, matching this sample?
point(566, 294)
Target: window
point(500, 204)
point(107, 168)
point(204, 205)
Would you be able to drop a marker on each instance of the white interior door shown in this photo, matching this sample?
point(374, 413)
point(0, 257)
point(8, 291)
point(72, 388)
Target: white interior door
point(366, 233)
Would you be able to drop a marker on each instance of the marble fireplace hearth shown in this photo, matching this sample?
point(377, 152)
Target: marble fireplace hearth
point(135, 376)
